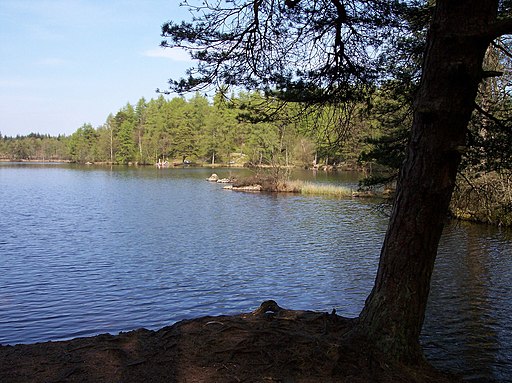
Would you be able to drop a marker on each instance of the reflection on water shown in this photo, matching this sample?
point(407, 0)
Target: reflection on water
point(468, 327)
point(86, 250)
point(90, 250)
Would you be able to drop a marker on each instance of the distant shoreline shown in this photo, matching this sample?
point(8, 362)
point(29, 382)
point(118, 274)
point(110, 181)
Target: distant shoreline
point(346, 167)
point(42, 160)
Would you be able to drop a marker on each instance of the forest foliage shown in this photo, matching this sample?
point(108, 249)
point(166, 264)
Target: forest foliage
point(242, 129)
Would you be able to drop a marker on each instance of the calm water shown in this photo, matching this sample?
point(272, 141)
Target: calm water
point(87, 250)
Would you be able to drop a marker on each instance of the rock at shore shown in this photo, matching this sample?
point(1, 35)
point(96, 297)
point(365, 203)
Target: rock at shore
point(253, 188)
point(213, 178)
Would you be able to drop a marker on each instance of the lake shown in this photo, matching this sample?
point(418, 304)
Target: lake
point(87, 250)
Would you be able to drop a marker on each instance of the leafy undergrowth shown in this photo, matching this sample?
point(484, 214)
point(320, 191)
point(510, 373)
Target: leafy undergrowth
point(269, 345)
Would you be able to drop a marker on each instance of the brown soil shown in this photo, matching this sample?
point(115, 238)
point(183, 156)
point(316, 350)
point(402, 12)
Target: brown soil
point(269, 345)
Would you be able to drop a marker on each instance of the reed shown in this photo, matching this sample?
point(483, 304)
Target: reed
point(270, 183)
point(317, 189)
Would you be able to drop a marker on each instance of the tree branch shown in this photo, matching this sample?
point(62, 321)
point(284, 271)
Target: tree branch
point(502, 48)
point(340, 19)
point(491, 73)
point(490, 116)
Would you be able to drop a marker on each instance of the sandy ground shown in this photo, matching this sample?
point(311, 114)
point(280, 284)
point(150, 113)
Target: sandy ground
point(269, 345)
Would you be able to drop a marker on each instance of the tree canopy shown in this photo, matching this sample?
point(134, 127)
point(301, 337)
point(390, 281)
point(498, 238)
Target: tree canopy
point(316, 51)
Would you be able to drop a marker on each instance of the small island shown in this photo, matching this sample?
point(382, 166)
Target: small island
point(270, 183)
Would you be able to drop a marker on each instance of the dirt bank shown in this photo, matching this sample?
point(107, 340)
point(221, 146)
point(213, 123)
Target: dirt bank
point(269, 345)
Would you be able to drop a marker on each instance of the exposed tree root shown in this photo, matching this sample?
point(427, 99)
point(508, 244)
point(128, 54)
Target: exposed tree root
point(270, 344)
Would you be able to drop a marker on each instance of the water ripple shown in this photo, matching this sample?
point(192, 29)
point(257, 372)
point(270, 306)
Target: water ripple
point(88, 251)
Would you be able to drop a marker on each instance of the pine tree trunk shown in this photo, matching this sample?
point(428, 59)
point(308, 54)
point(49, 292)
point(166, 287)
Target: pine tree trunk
point(393, 314)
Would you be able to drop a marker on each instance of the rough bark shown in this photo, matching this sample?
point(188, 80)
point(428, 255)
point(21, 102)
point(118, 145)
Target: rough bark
point(458, 37)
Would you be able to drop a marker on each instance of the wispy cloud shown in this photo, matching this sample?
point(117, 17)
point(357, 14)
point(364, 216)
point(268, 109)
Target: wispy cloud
point(174, 54)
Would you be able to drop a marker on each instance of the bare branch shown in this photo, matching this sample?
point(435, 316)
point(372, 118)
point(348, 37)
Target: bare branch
point(501, 46)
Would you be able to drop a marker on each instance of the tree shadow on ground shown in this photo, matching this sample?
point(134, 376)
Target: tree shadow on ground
point(270, 344)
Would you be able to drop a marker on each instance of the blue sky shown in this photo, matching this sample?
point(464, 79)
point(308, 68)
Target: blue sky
point(69, 62)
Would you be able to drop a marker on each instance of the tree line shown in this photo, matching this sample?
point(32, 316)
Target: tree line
point(242, 129)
